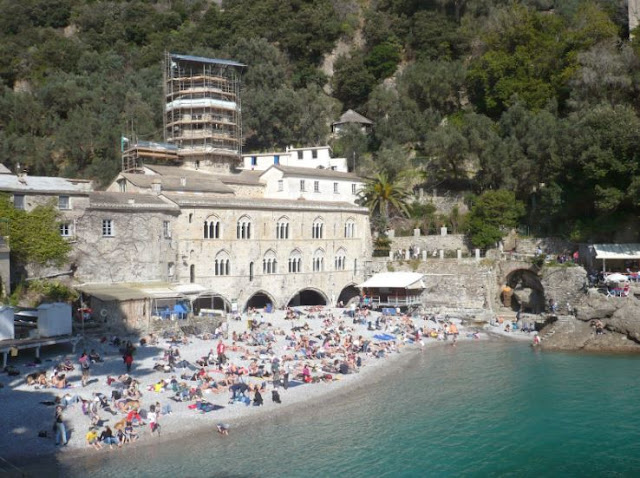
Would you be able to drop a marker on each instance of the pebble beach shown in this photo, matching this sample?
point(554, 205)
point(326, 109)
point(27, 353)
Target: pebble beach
point(28, 410)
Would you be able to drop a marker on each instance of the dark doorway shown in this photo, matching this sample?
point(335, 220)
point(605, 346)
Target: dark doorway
point(308, 297)
point(210, 302)
point(259, 300)
point(348, 293)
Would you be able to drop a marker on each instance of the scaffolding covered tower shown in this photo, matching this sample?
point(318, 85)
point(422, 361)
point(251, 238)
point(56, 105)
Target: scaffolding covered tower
point(202, 112)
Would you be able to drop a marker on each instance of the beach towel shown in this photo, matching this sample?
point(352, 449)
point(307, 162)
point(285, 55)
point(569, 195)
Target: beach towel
point(384, 337)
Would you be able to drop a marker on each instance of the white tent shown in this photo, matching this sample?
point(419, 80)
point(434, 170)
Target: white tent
point(395, 280)
point(616, 252)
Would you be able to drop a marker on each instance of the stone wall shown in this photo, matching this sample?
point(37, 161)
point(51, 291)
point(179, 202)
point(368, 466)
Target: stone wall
point(450, 284)
point(450, 242)
point(564, 285)
point(444, 204)
point(549, 245)
point(137, 252)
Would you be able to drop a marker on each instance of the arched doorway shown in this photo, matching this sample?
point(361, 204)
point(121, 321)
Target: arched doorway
point(348, 293)
point(308, 297)
point(528, 292)
point(259, 300)
point(210, 302)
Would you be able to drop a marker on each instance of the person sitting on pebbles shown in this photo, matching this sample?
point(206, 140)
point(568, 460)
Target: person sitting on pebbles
point(92, 439)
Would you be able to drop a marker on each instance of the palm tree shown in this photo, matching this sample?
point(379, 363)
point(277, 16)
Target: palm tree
point(380, 192)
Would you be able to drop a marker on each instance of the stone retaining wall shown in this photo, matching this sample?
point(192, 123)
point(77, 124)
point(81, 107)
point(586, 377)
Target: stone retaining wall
point(450, 242)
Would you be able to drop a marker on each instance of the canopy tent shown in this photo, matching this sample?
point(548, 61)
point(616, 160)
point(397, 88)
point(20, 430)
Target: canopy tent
point(163, 299)
point(395, 280)
point(395, 289)
point(616, 252)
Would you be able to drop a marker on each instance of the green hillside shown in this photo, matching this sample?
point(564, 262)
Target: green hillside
point(537, 97)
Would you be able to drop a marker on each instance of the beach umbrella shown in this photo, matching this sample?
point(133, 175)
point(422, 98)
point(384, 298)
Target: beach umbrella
point(617, 277)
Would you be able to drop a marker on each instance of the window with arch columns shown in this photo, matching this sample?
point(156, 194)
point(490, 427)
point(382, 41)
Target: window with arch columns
point(243, 228)
point(295, 261)
point(282, 228)
point(269, 263)
point(350, 228)
point(317, 230)
point(340, 260)
point(222, 264)
point(212, 228)
point(318, 261)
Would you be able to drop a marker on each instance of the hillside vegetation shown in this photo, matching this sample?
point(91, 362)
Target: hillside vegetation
point(536, 97)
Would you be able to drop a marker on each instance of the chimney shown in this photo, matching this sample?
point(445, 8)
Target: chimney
point(131, 201)
point(183, 181)
point(156, 186)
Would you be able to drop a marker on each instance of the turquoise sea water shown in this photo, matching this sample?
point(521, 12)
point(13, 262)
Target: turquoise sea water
point(478, 409)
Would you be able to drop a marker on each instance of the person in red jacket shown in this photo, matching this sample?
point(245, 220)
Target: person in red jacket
point(221, 349)
point(128, 360)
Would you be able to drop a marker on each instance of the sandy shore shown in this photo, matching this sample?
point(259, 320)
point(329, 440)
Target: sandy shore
point(27, 410)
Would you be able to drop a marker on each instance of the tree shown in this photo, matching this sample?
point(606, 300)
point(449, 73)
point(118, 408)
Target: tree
point(531, 56)
point(492, 214)
point(351, 144)
point(380, 193)
point(383, 60)
point(34, 236)
point(352, 81)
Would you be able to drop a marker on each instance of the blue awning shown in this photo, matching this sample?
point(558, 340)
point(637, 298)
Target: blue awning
point(180, 309)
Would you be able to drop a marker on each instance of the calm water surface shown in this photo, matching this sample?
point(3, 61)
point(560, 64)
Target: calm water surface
point(478, 409)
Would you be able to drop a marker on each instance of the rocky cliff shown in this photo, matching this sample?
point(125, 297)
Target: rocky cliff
point(620, 318)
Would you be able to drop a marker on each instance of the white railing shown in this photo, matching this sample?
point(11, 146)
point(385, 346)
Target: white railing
point(395, 300)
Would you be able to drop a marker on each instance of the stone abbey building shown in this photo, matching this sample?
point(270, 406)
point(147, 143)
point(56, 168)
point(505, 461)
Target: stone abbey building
point(190, 225)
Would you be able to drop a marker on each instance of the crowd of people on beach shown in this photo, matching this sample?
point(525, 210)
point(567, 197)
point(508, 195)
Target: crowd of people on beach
point(243, 366)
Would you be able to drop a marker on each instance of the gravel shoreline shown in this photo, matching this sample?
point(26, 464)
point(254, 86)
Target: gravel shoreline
point(24, 414)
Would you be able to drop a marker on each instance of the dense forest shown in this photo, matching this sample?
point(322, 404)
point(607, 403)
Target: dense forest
point(535, 97)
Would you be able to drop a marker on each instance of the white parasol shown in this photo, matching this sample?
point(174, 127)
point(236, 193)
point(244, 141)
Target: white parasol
point(617, 277)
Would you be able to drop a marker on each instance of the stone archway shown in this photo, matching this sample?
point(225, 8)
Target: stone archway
point(528, 292)
point(308, 297)
point(260, 300)
point(210, 301)
point(348, 293)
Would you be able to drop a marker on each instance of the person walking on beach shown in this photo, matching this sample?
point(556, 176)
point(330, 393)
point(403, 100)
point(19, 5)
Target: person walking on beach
point(85, 367)
point(152, 417)
point(128, 360)
point(61, 430)
point(285, 375)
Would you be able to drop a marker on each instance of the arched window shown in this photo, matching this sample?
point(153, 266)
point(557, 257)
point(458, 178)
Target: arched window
point(282, 228)
point(269, 263)
point(318, 261)
point(250, 271)
point(350, 228)
point(317, 230)
point(243, 228)
point(222, 264)
point(212, 228)
point(192, 273)
point(295, 261)
point(340, 260)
